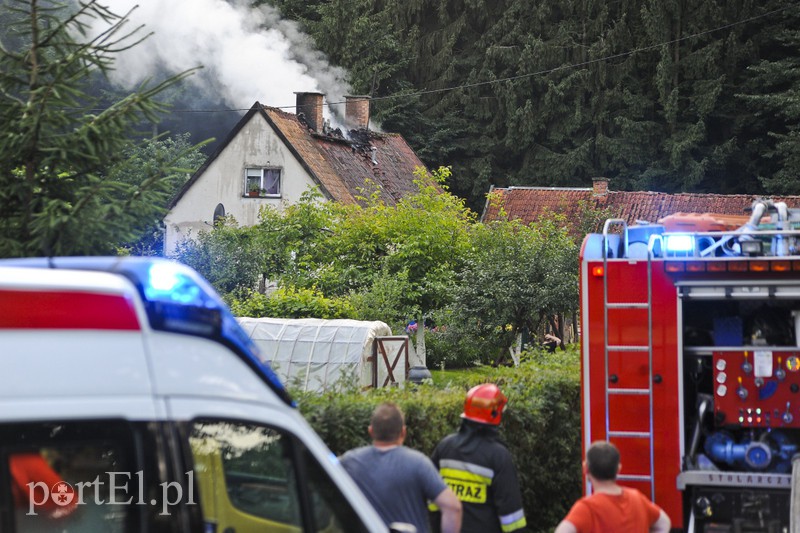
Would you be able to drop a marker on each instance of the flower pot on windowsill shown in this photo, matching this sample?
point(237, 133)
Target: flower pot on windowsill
point(253, 194)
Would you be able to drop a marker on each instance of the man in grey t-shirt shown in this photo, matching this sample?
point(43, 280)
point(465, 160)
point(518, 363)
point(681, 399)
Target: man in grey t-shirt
point(399, 481)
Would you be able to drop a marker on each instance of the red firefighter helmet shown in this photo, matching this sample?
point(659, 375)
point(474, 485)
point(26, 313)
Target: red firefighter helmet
point(484, 404)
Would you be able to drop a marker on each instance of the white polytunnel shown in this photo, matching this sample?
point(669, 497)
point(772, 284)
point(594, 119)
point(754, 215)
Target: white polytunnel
point(315, 354)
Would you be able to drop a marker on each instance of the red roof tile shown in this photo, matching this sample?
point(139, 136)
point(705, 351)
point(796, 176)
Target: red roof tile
point(351, 168)
point(356, 167)
point(343, 168)
point(528, 204)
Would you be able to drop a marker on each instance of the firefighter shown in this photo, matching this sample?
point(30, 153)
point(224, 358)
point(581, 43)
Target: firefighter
point(477, 465)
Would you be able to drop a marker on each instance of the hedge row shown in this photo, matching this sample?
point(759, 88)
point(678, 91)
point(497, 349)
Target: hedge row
point(541, 425)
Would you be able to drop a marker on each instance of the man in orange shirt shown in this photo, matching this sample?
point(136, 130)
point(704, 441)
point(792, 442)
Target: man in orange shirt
point(611, 507)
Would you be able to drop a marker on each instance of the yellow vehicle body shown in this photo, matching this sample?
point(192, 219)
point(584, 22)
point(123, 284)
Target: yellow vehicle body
point(241, 503)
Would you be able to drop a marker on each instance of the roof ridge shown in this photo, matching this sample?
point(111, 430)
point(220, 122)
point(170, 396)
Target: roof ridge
point(541, 188)
point(609, 192)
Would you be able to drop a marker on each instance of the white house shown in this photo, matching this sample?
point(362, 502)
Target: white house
point(271, 157)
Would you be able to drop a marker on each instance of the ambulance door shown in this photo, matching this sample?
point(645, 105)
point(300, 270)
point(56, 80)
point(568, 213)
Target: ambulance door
point(77, 475)
point(262, 469)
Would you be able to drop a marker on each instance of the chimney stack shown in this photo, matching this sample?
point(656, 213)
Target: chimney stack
point(599, 186)
point(356, 112)
point(310, 105)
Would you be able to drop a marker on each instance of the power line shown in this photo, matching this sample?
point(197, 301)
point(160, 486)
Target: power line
point(591, 61)
point(522, 76)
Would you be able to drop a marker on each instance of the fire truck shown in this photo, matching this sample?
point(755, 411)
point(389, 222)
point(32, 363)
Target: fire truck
point(690, 362)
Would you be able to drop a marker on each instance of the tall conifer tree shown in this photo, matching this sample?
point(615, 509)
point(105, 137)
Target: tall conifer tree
point(57, 147)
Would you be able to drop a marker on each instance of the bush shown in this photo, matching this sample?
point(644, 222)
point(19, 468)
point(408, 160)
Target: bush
point(291, 302)
point(445, 349)
point(541, 424)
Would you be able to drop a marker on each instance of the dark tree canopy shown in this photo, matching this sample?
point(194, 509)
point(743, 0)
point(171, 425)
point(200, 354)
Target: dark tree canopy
point(695, 96)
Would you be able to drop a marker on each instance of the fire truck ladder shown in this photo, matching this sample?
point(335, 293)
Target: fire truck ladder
point(610, 390)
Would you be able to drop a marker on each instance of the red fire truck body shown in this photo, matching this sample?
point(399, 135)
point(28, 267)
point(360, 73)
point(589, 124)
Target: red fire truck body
point(691, 365)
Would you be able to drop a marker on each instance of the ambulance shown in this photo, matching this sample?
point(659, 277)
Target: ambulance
point(131, 400)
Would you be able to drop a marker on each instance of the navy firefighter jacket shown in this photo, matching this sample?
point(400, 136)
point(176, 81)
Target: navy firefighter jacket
point(476, 464)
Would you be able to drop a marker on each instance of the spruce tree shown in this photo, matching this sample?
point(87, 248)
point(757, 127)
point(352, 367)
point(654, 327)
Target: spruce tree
point(772, 93)
point(60, 141)
point(695, 77)
point(657, 95)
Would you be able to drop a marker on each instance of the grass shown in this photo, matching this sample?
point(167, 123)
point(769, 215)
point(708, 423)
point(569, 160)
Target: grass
point(465, 377)
point(462, 376)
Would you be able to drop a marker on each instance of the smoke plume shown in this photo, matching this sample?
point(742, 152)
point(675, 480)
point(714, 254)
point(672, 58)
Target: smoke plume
point(247, 54)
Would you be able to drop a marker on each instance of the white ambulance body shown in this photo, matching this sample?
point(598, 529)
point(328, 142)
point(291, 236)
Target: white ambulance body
point(130, 400)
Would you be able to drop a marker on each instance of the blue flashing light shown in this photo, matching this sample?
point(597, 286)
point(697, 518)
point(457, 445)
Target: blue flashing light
point(679, 244)
point(167, 282)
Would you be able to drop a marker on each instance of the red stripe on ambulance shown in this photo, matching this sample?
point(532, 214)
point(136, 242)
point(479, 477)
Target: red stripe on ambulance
point(66, 310)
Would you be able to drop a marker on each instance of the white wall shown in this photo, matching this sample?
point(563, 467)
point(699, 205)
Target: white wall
point(256, 145)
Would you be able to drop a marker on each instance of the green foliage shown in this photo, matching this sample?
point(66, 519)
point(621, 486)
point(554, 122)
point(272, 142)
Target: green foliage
point(375, 49)
point(541, 425)
point(420, 242)
point(291, 302)
point(56, 191)
point(422, 237)
point(384, 300)
point(174, 153)
point(773, 96)
point(448, 348)
point(515, 276)
point(226, 256)
point(292, 245)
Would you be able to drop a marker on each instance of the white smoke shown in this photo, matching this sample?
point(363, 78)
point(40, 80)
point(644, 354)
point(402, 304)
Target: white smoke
point(247, 54)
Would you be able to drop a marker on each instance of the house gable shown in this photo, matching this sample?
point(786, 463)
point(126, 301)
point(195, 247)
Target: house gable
point(221, 181)
point(345, 168)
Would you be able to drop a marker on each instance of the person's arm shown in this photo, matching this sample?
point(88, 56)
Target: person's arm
point(566, 527)
point(450, 506)
point(661, 525)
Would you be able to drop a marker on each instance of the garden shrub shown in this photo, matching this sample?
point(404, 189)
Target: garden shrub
point(445, 349)
point(541, 424)
point(290, 302)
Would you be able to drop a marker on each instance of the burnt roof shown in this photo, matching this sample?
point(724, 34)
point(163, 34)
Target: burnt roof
point(344, 168)
point(528, 204)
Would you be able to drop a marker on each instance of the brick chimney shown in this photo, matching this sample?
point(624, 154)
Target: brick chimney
point(356, 112)
point(310, 105)
point(599, 186)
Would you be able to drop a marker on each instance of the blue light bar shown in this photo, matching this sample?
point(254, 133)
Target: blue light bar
point(168, 282)
point(679, 244)
point(183, 302)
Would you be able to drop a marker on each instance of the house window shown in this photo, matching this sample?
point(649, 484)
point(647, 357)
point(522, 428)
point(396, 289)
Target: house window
point(262, 182)
point(219, 213)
